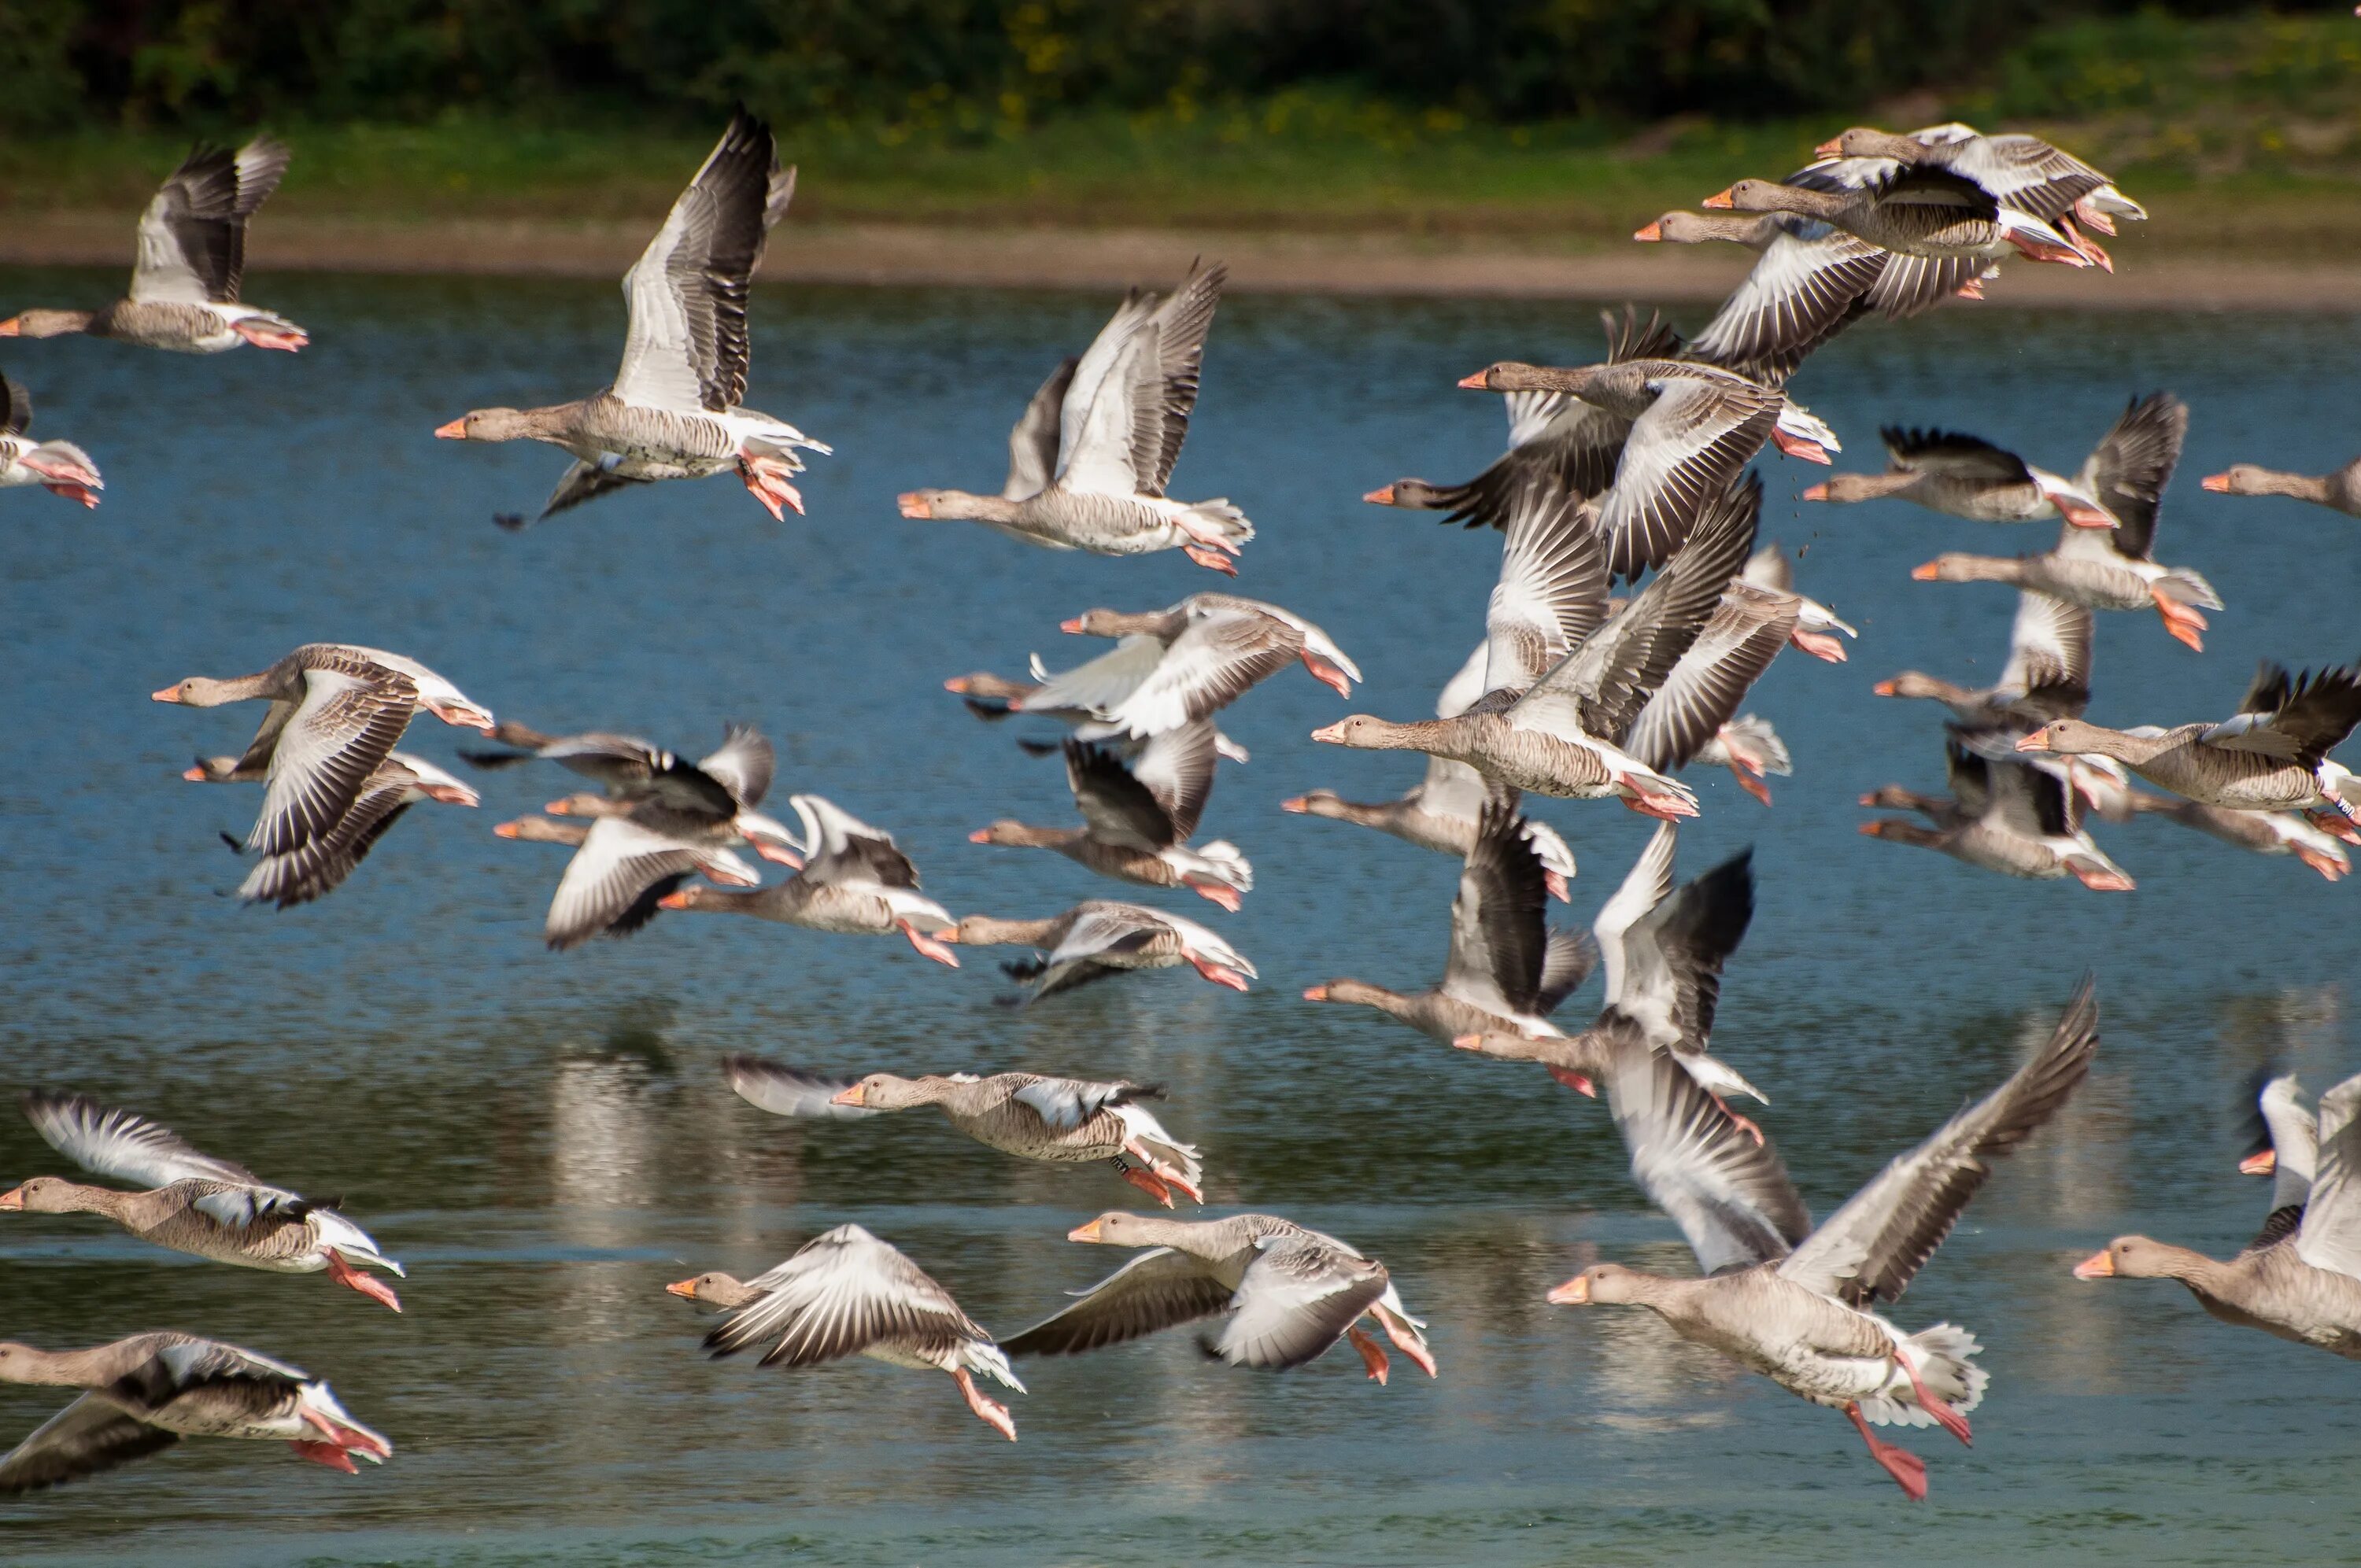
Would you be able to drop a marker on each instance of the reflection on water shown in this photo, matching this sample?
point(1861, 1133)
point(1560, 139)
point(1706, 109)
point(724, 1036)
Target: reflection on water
point(545, 1141)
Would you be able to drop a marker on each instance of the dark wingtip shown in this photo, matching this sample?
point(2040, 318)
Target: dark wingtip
point(236, 845)
point(512, 522)
point(1039, 748)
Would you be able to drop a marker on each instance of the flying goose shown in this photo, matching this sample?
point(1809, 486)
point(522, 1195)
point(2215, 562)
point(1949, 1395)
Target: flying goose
point(1286, 1293)
point(2300, 1278)
point(319, 866)
point(1692, 717)
point(1095, 480)
point(1663, 952)
point(1441, 812)
point(1792, 1301)
point(191, 1201)
point(2272, 755)
point(2025, 172)
point(1967, 476)
point(1061, 1121)
point(1770, 570)
point(335, 712)
point(1100, 937)
point(58, 467)
point(621, 871)
point(1694, 427)
point(1557, 739)
point(1505, 970)
point(2004, 817)
point(845, 1293)
point(856, 880)
point(711, 800)
point(673, 411)
point(1138, 816)
point(1186, 662)
point(2263, 832)
point(191, 256)
point(2340, 491)
point(143, 1394)
point(1920, 210)
point(2048, 675)
point(2112, 568)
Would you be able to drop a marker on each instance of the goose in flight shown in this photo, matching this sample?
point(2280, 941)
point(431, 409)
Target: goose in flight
point(58, 467)
point(1101, 938)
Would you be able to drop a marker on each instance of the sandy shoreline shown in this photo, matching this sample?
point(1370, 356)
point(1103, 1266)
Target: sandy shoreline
point(881, 254)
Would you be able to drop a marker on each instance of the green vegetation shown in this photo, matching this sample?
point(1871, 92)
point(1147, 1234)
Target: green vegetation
point(2256, 115)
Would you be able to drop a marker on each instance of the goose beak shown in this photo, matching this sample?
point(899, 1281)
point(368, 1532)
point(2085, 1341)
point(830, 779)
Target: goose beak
point(1086, 1233)
point(559, 807)
point(1927, 573)
point(958, 683)
point(505, 830)
point(9, 327)
point(948, 934)
point(13, 1199)
point(195, 776)
point(2218, 483)
point(1480, 382)
point(1720, 198)
point(855, 1095)
point(1882, 688)
point(2100, 1264)
point(777, 855)
point(685, 1288)
point(1832, 147)
point(1817, 493)
point(1652, 234)
point(673, 900)
point(1468, 1042)
point(169, 694)
point(1315, 993)
point(1574, 1292)
point(2262, 1164)
point(981, 835)
point(1073, 628)
point(1332, 733)
point(1298, 804)
point(1384, 494)
point(2037, 741)
point(454, 431)
point(910, 503)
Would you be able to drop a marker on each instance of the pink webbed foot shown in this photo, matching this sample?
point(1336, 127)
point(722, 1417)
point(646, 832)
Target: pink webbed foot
point(2336, 824)
point(1950, 1419)
point(1909, 1471)
point(2035, 248)
point(1327, 674)
point(1973, 288)
point(1219, 892)
point(368, 1285)
point(81, 493)
point(931, 947)
point(1212, 560)
point(1750, 784)
point(1373, 1354)
point(2099, 879)
point(1556, 883)
point(1579, 1083)
point(1220, 974)
point(2087, 246)
point(264, 334)
point(367, 1443)
point(328, 1453)
point(1819, 645)
point(1147, 1181)
point(1650, 803)
point(2090, 218)
point(1745, 1123)
point(1163, 1172)
point(1799, 446)
point(2184, 622)
point(2326, 865)
point(992, 1411)
point(1405, 1337)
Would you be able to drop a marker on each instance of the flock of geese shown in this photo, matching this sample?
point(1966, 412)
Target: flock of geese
point(1632, 472)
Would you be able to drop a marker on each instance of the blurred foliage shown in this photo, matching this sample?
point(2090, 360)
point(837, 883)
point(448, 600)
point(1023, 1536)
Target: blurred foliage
point(979, 67)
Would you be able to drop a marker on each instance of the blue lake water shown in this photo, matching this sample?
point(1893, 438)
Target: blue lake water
point(545, 1138)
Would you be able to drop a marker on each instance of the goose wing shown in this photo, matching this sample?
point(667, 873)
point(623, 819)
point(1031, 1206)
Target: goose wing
point(15, 407)
point(1499, 935)
point(1171, 360)
point(1065, 1104)
point(2300, 717)
point(1225, 650)
point(1670, 977)
point(122, 1144)
point(742, 766)
point(612, 883)
point(1297, 1298)
point(192, 236)
point(337, 735)
point(1092, 371)
point(2024, 173)
point(1160, 1288)
point(1709, 682)
point(1869, 1249)
point(1683, 451)
point(842, 1292)
point(318, 866)
point(784, 1090)
point(1648, 883)
point(2049, 655)
point(846, 849)
point(2128, 470)
point(1953, 453)
point(85, 1438)
point(1117, 802)
point(581, 483)
point(1551, 591)
point(686, 345)
point(1033, 439)
point(1805, 287)
point(1566, 962)
point(2329, 1235)
point(1911, 285)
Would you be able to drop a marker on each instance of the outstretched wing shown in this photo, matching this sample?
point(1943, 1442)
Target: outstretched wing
point(122, 1144)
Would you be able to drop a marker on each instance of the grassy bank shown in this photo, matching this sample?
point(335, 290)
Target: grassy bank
point(2244, 135)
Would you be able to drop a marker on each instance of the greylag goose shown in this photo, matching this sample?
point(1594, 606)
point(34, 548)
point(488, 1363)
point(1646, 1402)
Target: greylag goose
point(1100, 937)
point(1442, 810)
point(621, 871)
point(2024, 172)
point(2300, 1278)
point(1694, 427)
point(2340, 491)
point(143, 1394)
point(1567, 444)
point(1137, 816)
point(1287, 1293)
point(1061, 1121)
point(1505, 970)
point(1693, 717)
point(856, 880)
point(2003, 816)
point(2263, 832)
point(1095, 480)
point(1663, 953)
point(711, 800)
point(2289, 1154)
point(1557, 737)
point(1770, 570)
point(2048, 675)
point(335, 712)
point(1922, 211)
point(2112, 568)
point(2272, 755)
point(1176, 665)
point(992, 697)
point(319, 866)
point(845, 1293)
point(192, 257)
point(1792, 1301)
point(1967, 476)
point(189, 1201)
point(58, 467)
point(673, 411)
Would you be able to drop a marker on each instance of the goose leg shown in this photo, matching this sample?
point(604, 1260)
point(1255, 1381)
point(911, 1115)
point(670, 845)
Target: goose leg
point(992, 1413)
point(342, 1436)
point(1405, 1337)
point(2087, 246)
point(1819, 644)
point(1950, 1419)
point(2326, 866)
point(1748, 781)
point(1219, 892)
point(1373, 1354)
point(1147, 1181)
point(1327, 674)
point(1212, 560)
point(931, 947)
point(1799, 446)
point(81, 493)
point(1745, 1123)
point(1555, 883)
point(2336, 824)
point(368, 1285)
point(2035, 248)
point(2090, 218)
point(1164, 1172)
point(1220, 974)
point(1973, 288)
point(1577, 1082)
point(1909, 1471)
point(2183, 621)
point(263, 332)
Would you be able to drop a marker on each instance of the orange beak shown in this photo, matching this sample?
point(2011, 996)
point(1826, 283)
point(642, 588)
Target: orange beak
point(981, 835)
point(1480, 382)
point(1296, 803)
point(1087, 1233)
point(1315, 993)
point(1384, 494)
point(1817, 493)
point(1574, 1292)
point(855, 1095)
point(1652, 234)
point(948, 934)
point(454, 431)
point(505, 830)
point(912, 504)
point(673, 900)
point(559, 807)
point(195, 776)
point(1927, 573)
point(2037, 741)
point(683, 1287)
point(1720, 198)
point(1832, 147)
point(13, 1199)
point(1073, 628)
point(1468, 1042)
point(169, 694)
point(2219, 483)
point(957, 683)
point(2262, 1164)
point(8, 328)
point(1332, 733)
point(1882, 688)
point(2100, 1264)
